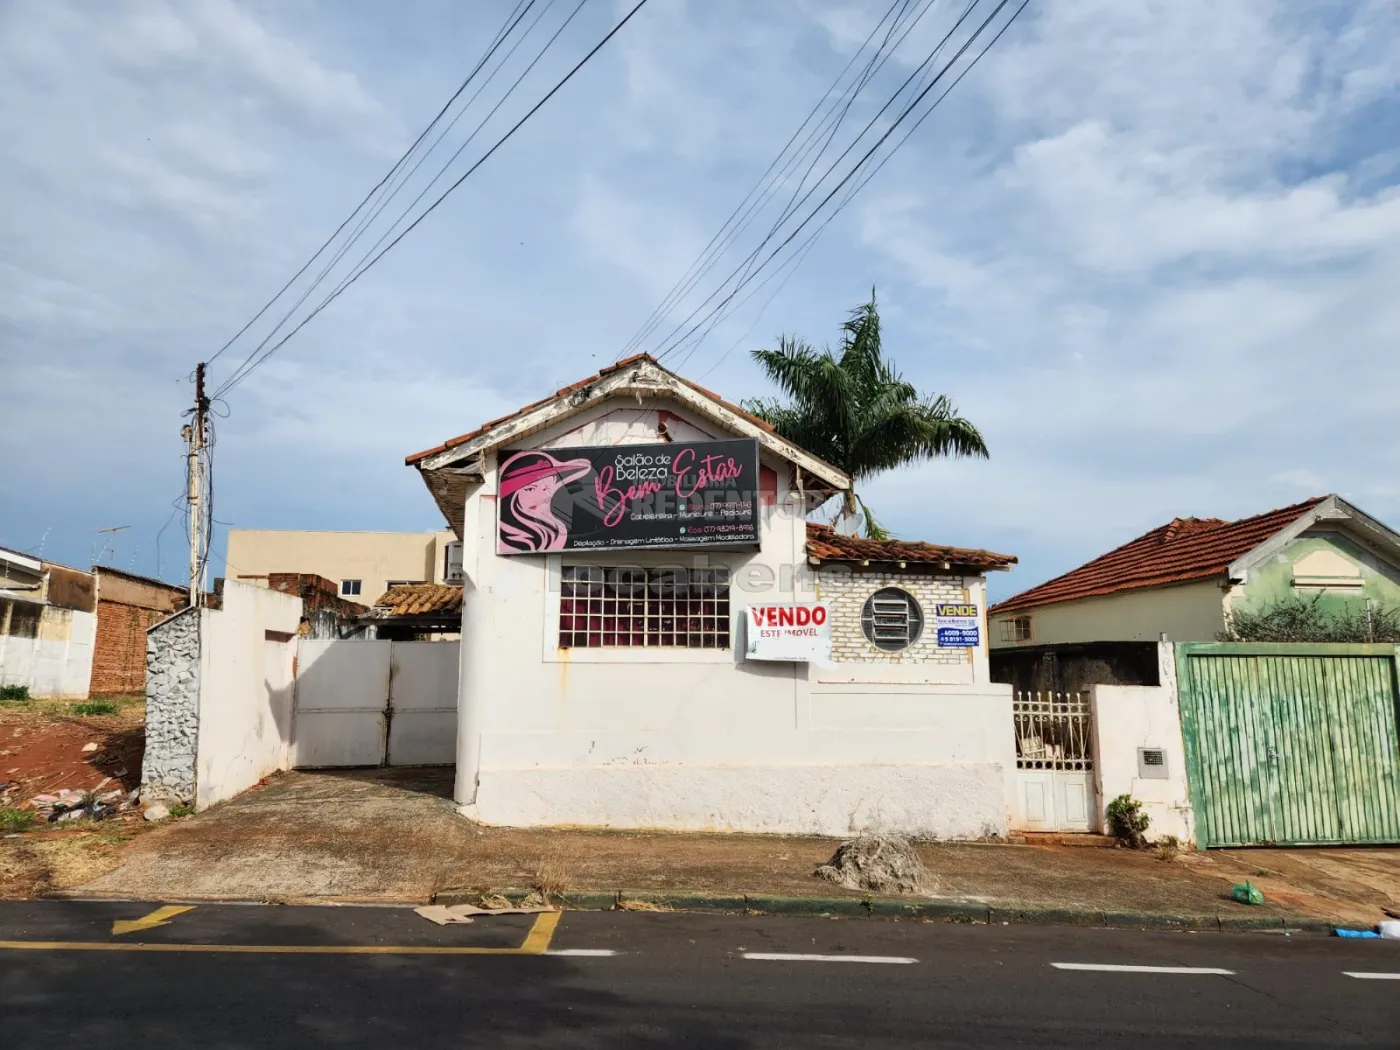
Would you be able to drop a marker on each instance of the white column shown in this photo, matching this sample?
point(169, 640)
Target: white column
point(470, 692)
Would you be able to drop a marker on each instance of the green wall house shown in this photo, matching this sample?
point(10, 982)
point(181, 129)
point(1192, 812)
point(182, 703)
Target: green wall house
point(1290, 574)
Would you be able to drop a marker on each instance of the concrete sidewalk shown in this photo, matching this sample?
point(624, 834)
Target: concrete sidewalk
point(394, 835)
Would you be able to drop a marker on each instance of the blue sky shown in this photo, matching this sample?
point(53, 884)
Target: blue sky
point(1151, 249)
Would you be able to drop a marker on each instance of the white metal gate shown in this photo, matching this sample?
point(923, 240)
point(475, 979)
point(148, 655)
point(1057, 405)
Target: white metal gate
point(1054, 762)
point(375, 703)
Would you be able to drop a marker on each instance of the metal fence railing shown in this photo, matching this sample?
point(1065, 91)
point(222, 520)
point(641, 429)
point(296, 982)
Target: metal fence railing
point(1054, 731)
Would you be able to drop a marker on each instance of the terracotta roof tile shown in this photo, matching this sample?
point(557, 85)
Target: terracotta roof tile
point(420, 599)
point(607, 370)
point(826, 544)
point(1182, 550)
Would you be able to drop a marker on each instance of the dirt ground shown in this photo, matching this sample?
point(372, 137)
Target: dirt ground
point(394, 835)
point(41, 751)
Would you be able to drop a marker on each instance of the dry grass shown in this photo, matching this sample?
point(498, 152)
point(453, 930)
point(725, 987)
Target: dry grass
point(38, 863)
point(127, 710)
point(639, 905)
point(550, 877)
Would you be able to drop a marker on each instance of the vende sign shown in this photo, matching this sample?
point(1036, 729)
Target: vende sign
point(789, 632)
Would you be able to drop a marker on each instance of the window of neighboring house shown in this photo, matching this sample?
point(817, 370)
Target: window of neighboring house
point(643, 608)
point(1016, 629)
point(404, 583)
point(349, 588)
point(892, 619)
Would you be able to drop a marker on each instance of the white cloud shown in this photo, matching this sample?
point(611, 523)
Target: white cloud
point(1150, 249)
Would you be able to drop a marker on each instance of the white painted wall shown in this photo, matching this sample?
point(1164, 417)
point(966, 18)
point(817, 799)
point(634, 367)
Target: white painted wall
point(57, 662)
point(1187, 612)
point(680, 738)
point(1127, 717)
point(245, 701)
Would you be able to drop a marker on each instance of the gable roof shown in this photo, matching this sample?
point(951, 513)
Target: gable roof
point(563, 392)
point(1180, 551)
point(824, 543)
point(452, 468)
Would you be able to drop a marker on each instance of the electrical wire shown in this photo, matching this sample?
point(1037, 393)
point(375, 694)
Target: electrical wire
point(383, 203)
point(743, 212)
point(672, 342)
point(230, 384)
point(509, 26)
point(810, 242)
point(749, 274)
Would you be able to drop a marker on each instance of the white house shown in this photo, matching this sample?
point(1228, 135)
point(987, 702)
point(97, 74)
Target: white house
point(635, 553)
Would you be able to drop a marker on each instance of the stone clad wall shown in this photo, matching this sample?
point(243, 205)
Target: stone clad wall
point(172, 709)
point(847, 593)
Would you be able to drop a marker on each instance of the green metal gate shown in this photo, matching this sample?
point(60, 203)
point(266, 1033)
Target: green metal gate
point(1291, 744)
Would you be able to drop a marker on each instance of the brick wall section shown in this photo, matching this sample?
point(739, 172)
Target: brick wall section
point(846, 592)
point(316, 593)
point(119, 653)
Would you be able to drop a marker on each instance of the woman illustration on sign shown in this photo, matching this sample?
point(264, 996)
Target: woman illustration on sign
point(529, 481)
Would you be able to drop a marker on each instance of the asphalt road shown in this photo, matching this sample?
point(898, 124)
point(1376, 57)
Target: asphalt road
point(223, 976)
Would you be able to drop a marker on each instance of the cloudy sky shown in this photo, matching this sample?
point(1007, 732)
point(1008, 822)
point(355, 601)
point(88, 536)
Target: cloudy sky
point(1151, 249)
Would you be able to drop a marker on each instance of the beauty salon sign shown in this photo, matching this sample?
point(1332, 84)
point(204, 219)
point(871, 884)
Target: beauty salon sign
point(789, 632)
point(626, 497)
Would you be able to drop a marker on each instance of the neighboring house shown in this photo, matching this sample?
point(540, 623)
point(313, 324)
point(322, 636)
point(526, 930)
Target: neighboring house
point(654, 636)
point(363, 564)
point(47, 625)
point(127, 605)
point(1182, 580)
point(417, 611)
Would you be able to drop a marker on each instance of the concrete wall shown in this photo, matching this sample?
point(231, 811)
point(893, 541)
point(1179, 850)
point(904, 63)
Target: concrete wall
point(686, 738)
point(1130, 717)
point(374, 558)
point(55, 659)
point(248, 649)
point(172, 708)
point(1188, 612)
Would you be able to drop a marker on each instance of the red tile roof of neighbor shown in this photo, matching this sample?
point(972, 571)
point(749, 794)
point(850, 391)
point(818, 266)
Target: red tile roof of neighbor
point(565, 391)
point(826, 544)
point(420, 599)
point(1182, 550)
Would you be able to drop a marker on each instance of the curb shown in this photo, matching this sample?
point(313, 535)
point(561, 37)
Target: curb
point(947, 910)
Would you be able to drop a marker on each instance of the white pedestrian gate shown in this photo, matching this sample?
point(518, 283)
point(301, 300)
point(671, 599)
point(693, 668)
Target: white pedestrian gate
point(1054, 762)
point(375, 703)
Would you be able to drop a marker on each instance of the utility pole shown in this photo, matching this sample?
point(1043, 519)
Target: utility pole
point(194, 434)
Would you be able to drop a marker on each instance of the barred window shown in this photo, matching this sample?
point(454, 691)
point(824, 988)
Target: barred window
point(643, 608)
point(892, 619)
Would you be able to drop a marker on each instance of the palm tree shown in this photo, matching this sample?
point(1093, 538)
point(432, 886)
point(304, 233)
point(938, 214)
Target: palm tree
point(854, 410)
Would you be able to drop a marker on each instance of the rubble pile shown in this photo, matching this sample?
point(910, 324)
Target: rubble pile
point(69, 805)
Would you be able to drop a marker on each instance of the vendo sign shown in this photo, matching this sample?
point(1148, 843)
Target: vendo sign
point(789, 632)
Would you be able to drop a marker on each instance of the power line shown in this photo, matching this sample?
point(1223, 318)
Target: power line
point(229, 384)
point(496, 42)
point(748, 205)
point(670, 342)
point(377, 209)
point(851, 173)
point(810, 242)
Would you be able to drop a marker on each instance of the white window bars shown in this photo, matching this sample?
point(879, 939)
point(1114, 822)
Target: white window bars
point(1054, 731)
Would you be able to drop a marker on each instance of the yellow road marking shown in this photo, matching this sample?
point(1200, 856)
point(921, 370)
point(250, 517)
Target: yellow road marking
point(541, 933)
point(536, 943)
point(159, 917)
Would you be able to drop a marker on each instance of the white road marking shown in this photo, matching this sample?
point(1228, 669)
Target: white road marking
point(589, 953)
point(1363, 976)
point(798, 957)
point(1115, 968)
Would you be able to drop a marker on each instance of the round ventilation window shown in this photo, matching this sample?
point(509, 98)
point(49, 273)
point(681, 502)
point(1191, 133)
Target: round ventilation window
point(892, 619)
